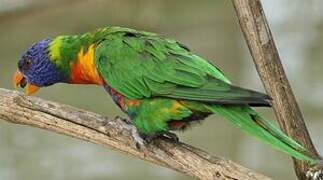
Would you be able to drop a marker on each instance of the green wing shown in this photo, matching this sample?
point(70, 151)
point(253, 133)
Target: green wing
point(142, 65)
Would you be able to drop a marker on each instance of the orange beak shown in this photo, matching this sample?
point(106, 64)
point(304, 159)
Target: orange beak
point(19, 80)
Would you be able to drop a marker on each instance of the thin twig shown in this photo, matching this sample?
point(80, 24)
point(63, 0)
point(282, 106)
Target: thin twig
point(266, 58)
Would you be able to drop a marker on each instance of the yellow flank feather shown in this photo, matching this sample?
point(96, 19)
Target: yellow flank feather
point(173, 109)
point(176, 105)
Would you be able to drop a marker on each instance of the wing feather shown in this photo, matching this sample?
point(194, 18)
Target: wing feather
point(143, 65)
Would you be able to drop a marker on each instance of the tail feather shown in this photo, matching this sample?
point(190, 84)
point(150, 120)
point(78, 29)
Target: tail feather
point(248, 120)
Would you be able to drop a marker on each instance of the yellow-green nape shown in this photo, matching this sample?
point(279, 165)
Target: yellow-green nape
point(54, 49)
point(56, 56)
point(63, 51)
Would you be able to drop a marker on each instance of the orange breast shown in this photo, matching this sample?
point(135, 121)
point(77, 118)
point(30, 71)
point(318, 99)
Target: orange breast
point(83, 70)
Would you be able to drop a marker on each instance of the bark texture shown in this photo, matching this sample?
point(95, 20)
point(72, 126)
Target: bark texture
point(266, 58)
point(117, 134)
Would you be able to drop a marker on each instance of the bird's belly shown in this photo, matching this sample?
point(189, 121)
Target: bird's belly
point(123, 102)
point(159, 114)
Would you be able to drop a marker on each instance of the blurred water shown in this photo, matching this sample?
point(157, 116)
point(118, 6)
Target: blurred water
point(209, 28)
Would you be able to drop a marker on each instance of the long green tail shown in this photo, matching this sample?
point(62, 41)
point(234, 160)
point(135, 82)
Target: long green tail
point(248, 120)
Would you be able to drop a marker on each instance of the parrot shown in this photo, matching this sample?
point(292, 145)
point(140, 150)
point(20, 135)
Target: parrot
point(158, 82)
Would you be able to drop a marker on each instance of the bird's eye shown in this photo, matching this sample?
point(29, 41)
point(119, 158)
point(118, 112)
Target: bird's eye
point(27, 64)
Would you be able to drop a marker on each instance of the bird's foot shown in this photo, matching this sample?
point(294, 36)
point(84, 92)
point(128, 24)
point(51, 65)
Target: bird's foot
point(126, 120)
point(143, 139)
point(169, 135)
point(315, 173)
point(137, 138)
point(140, 142)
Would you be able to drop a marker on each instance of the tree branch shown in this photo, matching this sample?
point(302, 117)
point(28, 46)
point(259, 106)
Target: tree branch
point(117, 134)
point(266, 58)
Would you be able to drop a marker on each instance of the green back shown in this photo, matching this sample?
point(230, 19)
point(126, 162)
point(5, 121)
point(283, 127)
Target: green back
point(142, 65)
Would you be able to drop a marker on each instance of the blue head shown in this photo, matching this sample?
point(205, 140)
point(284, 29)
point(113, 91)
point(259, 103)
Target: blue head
point(36, 69)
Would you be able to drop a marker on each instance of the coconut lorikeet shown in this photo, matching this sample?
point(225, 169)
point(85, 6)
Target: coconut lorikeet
point(158, 82)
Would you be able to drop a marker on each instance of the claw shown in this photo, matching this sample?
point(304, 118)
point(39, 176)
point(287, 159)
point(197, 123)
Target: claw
point(315, 173)
point(171, 136)
point(143, 139)
point(150, 138)
point(140, 142)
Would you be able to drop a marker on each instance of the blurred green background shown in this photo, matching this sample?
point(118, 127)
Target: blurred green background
point(209, 28)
